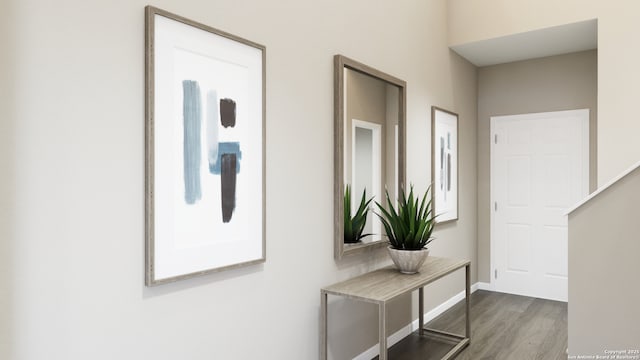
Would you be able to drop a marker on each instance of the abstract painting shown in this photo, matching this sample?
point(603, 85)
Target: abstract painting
point(444, 163)
point(205, 114)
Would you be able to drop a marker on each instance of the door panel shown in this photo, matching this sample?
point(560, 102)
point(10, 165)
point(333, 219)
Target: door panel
point(518, 182)
point(518, 248)
point(554, 237)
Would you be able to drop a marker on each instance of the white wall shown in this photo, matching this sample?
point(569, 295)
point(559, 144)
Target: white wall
point(72, 146)
point(618, 58)
point(7, 159)
point(603, 271)
point(554, 83)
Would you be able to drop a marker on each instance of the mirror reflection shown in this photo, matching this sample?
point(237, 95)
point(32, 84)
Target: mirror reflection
point(370, 123)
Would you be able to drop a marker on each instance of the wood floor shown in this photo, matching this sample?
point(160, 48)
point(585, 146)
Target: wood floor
point(503, 327)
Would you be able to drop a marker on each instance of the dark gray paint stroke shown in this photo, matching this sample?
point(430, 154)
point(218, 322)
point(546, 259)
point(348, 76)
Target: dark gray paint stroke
point(228, 185)
point(227, 112)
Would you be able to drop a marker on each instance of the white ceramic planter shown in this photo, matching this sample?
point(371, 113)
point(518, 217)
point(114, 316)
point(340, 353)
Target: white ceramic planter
point(408, 261)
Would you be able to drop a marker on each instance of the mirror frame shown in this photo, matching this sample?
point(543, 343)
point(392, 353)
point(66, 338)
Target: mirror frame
point(340, 63)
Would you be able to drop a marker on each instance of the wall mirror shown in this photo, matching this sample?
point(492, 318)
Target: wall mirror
point(369, 157)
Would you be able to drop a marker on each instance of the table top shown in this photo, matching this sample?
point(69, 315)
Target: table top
point(388, 283)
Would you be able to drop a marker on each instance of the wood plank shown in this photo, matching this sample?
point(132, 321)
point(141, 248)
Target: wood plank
point(503, 327)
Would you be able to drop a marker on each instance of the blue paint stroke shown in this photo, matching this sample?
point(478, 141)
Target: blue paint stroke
point(226, 148)
point(192, 118)
point(212, 128)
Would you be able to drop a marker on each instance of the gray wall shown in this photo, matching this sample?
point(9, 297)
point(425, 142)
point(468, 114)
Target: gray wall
point(72, 151)
point(603, 271)
point(554, 83)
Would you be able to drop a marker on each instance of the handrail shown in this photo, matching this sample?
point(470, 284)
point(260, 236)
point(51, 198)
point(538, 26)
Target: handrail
point(604, 187)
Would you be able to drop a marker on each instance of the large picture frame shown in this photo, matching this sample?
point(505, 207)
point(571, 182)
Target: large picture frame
point(205, 149)
point(444, 164)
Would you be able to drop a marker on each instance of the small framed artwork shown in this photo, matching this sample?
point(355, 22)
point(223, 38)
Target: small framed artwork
point(444, 164)
point(205, 149)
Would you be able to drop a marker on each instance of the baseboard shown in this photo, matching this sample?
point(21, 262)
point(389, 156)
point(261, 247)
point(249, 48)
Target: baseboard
point(391, 340)
point(407, 330)
point(484, 286)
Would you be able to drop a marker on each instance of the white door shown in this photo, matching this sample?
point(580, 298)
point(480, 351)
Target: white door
point(366, 169)
point(539, 169)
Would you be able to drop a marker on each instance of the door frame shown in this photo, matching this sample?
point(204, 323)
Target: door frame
point(584, 113)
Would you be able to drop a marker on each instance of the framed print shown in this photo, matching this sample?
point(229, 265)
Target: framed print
point(205, 149)
point(444, 163)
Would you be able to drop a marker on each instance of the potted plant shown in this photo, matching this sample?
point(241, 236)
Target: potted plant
point(354, 225)
point(408, 229)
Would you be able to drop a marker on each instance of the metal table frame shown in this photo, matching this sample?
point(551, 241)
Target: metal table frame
point(386, 284)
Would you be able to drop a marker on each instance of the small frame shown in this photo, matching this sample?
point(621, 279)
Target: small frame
point(444, 164)
point(205, 149)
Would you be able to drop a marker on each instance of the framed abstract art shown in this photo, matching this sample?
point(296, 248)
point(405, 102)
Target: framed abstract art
point(444, 163)
point(205, 149)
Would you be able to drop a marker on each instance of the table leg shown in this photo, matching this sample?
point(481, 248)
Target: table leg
point(382, 330)
point(420, 311)
point(468, 301)
point(324, 319)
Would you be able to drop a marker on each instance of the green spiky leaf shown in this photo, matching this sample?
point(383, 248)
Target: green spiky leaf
point(410, 226)
point(354, 225)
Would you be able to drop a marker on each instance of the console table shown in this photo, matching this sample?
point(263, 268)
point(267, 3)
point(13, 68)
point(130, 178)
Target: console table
point(386, 284)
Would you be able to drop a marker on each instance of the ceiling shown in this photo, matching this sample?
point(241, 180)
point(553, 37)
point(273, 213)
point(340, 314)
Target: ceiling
point(556, 40)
